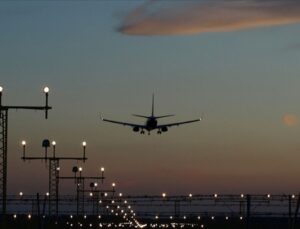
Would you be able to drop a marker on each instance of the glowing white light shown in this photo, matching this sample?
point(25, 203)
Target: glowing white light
point(190, 195)
point(293, 196)
point(269, 195)
point(241, 218)
point(80, 169)
point(212, 217)
point(242, 195)
point(29, 216)
point(91, 194)
point(83, 144)
point(54, 143)
point(102, 169)
point(113, 184)
point(227, 218)
point(24, 143)
point(120, 194)
point(1, 89)
point(15, 216)
point(21, 193)
point(163, 194)
point(47, 193)
point(46, 89)
point(216, 195)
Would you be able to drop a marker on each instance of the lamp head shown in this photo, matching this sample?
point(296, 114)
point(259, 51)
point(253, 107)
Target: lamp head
point(46, 90)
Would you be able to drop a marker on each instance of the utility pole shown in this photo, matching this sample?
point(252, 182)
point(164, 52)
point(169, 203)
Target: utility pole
point(53, 164)
point(3, 141)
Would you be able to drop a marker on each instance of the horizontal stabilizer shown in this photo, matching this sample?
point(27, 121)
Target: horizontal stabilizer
point(164, 116)
point(141, 116)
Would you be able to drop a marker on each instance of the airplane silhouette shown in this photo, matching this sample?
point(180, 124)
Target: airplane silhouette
point(151, 123)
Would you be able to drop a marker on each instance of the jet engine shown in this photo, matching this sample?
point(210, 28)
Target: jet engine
point(136, 129)
point(164, 129)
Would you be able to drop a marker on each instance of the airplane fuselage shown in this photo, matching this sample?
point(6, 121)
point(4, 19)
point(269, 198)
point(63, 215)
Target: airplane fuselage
point(151, 124)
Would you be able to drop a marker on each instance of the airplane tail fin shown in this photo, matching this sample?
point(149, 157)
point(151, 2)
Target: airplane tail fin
point(152, 113)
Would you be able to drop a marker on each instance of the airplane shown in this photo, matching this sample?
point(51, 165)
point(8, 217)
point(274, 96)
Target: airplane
point(151, 122)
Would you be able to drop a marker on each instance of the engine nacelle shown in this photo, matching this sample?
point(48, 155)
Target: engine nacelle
point(136, 129)
point(164, 129)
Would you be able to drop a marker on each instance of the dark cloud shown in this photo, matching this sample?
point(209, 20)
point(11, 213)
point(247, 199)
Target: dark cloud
point(157, 17)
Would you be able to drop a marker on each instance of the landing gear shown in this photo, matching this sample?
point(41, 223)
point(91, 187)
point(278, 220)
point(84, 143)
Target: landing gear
point(142, 132)
point(159, 132)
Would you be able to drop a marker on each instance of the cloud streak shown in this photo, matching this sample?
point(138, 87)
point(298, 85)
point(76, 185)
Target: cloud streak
point(155, 17)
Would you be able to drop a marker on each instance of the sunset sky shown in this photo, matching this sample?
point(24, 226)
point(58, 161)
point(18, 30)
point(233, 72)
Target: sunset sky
point(109, 57)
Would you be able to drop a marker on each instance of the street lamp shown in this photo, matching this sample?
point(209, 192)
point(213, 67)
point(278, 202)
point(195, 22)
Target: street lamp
point(24, 146)
point(53, 144)
point(84, 146)
point(46, 91)
point(102, 173)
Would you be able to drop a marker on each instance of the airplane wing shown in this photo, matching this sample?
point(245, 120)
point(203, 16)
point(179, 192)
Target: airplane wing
point(124, 123)
point(178, 123)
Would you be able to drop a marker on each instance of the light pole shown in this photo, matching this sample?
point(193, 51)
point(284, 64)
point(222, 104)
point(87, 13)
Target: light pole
point(3, 140)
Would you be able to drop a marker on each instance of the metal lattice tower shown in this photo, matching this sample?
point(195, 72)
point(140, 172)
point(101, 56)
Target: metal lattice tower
point(80, 196)
point(3, 158)
point(3, 142)
point(81, 190)
point(53, 185)
point(53, 165)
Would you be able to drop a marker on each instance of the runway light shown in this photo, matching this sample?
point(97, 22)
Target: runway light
point(120, 194)
point(269, 195)
point(47, 193)
point(216, 195)
point(113, 184)
point(46, 89)
point(190, 195)
point(29, 216)
point(241, 218)
point(91, 194)
point(227, 218)
point(15, 216)
point(242, 196)
point(212, 217)
point(21, 193)
point(163, 194)
point(293, 196)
